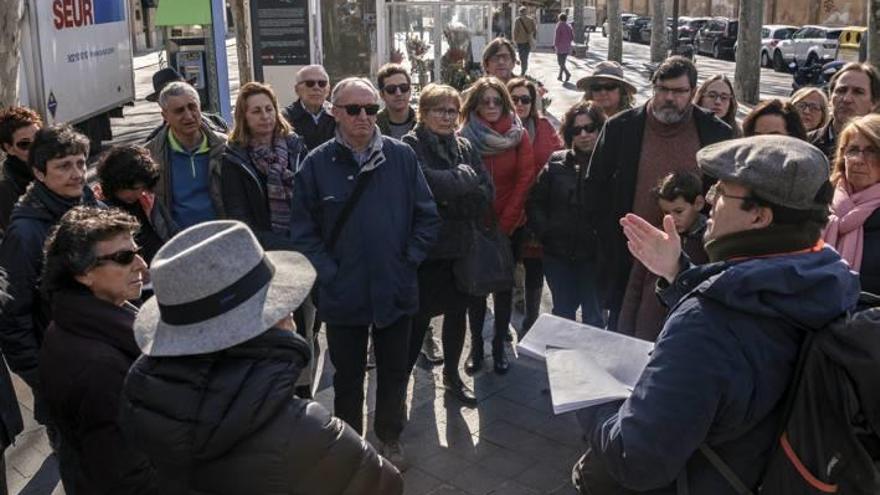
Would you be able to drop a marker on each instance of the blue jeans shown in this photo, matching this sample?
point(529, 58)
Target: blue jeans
point(573, 285)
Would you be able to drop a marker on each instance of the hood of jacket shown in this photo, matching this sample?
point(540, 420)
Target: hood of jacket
point(811, 289)
point(39, 203)
point(195, 408)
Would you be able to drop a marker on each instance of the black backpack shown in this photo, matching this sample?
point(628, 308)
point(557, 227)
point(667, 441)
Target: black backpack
point(829, 440)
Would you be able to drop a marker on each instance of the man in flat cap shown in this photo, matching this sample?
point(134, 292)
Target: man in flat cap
point(728, 349)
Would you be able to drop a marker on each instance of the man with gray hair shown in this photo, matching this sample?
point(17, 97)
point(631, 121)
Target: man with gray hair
point(364, 216)
point(188, 153)
point(310, 115)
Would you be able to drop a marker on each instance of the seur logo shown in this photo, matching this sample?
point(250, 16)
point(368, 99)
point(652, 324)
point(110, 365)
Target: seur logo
point(78, 13)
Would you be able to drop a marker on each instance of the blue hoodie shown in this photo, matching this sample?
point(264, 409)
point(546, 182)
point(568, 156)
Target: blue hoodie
point(719, 370)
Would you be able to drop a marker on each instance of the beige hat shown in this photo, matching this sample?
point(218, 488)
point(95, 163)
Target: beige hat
point(607, 70)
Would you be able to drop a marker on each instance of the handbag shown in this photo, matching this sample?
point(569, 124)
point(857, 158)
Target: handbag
point(488, 265)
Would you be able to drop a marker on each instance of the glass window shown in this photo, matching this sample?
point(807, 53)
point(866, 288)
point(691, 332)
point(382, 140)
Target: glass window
point(765, 33)
point(833, 35)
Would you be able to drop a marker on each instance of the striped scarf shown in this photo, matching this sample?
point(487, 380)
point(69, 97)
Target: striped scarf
point(272, 162)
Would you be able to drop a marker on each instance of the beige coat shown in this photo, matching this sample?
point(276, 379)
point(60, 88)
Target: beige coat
point(524, 30)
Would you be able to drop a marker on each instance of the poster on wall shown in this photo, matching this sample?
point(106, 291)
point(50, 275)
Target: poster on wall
point(280, 34)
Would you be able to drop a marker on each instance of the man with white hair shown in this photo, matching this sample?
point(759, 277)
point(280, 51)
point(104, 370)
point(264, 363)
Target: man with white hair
point(364, 216)
point(310, 115)
point(188, 153)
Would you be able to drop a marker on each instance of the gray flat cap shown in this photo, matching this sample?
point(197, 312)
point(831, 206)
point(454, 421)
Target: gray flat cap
point(782, 170)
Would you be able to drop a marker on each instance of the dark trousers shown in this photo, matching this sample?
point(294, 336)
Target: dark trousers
point(347, 346)
point(560, 59)
point(477, 314)
point(534, 286)
point(524, 50)
point(573, 285)
point(3, 469)
point(438, 294)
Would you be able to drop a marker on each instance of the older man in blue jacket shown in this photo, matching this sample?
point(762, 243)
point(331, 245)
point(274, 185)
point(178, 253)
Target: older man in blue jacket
point(727, 351)
point(366, 258)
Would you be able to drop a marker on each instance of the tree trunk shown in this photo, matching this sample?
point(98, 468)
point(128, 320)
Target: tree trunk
point(874, 32)
point(242, 39)
point(615, 39)
point(658, 30)
point(10, 50)
point(578, 21)
point(747, 77)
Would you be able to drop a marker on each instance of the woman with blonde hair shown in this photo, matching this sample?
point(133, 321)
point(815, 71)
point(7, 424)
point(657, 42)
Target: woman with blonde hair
point(716, 94)
point(811, 104)
point(854, 226)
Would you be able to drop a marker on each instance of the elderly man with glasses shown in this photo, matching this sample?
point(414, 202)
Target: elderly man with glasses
point(310, 115)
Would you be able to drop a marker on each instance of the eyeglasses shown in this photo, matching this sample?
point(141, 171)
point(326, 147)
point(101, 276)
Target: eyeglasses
point(321, 83)
point(803, 106)
point(449, 113)
point(500, 57)
point(724, 97)
point(714, 193)
point(123, 258)
point(578, 129)
point(23, 145)
point(396, 88)
point(491, 101)
point(523, 100)
point(355, 110)
point(868, 153)
point(659, 90)
point(595, 88)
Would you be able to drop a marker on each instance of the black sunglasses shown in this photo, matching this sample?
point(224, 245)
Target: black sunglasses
point(355, 110)
point(395, 88)
point(524, 99)
point(603, 87)
point(23, 145)
point(590, 128)
point(124, 257)
point(311, 83)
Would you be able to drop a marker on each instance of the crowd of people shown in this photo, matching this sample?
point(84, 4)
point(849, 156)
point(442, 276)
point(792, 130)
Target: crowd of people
point(166, 317)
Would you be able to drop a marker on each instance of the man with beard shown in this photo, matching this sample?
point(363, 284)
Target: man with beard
point(855, 91)
point(635, 150)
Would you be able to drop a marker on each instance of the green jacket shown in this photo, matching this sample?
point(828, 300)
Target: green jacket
point(384, 122)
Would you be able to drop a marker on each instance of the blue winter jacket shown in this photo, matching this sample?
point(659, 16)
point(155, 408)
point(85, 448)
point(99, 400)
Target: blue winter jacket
point(370, 275)
point(719, 371)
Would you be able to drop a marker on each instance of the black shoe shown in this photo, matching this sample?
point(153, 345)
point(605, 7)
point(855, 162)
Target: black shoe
point(499, 358)
point(474, 363)
point(457, 388)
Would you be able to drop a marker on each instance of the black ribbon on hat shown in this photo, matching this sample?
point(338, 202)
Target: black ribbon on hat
point(220, 302)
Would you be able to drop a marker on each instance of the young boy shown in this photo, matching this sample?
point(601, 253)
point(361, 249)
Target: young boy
point(679, 194)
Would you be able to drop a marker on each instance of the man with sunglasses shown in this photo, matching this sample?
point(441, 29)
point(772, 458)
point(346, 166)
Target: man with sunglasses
point(17, 128)
point(398, 117)
point(364, 216)
point(311, 115)
point(635, 150)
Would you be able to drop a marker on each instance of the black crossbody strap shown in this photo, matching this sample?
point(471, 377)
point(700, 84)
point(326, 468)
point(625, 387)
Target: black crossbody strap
point(725, 470)
point(362, 180)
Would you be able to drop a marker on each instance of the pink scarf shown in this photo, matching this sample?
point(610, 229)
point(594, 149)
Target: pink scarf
point(845, 229)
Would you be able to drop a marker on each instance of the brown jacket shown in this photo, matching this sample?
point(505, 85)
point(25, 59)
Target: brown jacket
point(524, 29)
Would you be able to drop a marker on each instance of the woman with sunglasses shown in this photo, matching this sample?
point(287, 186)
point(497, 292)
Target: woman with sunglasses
point(716, 94)
point(811, 104)
point(608, 88)
point(854, 227)
point(490, 123)
point(545, 141)
point(557, 211)
point(463, 190)
point(92, 269)
point(18, 125)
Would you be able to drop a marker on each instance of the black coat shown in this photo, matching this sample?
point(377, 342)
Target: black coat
point(14, 180)
point(825, 139)
point(869, 273)
point(229, 423)
point(244, 191)
point(11, 423)
point(461, 199)
point(85, 357)
point(558, 211)
point(614, 170)
point(304, 125)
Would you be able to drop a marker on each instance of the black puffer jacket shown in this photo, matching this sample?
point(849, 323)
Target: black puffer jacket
point(557, 208)
point(461, 199)
point(869, 273)
point(14, 180)
point(314, 134)
point(228, 423)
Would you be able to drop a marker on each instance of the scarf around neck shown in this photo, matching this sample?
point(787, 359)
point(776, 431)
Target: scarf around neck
point(272, 161)
point(445, 147)
point(773, 240)
point(846, 226)
point(371, 157)
point(488, 141)
point(55, 204)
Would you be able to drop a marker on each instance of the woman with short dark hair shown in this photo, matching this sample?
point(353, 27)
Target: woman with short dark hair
point(774, 117)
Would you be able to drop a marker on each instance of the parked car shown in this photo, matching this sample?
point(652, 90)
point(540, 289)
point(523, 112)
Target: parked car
point(717, 37)
point(633, 30)
point(689, 26)
point(808, 45)
point(646, 32)
point(624, 18)
point(772, 35)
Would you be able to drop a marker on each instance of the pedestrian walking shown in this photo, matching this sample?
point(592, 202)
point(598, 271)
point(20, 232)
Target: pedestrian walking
point(395, 87)
point(811, 104)
point(727, 353)
point(774, 117)
point(490, 124)
point(211, 403)
point(854, 228)
point(188, 153)
point(854, 91)
point(311, 115)
point(18, 125)
point(559, 215)
point(607, 87)
point(499, 57)
point(545, 141)
point(525, 35)
point(634, 151)
point(463, 191)
point(92, 270)
point(562, 41)
point(716, 94)
point(364, 215)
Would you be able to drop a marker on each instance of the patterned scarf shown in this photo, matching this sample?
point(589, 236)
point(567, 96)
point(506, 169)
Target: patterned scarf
point(272, 162)
point(486, 140)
